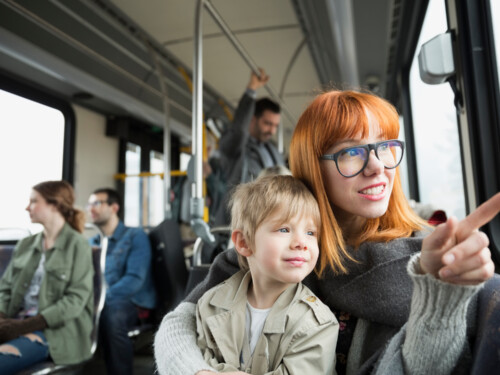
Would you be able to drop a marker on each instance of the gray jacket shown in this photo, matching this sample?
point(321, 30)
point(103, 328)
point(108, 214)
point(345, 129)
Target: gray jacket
point(297, 337)
point(240, 156)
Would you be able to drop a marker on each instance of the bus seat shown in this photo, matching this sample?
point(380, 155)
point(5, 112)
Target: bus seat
point(8, 240)
point(169, 266)
point(202, 260)
point(486, 354)
point(6, 251)
point(98, 261)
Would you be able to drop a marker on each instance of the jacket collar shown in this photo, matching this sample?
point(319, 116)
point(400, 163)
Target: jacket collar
point(119, 231)
point(60, 240)
point(234, 293)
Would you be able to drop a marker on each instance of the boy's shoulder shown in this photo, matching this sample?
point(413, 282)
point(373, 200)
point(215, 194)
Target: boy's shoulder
point(308, 300)
point(223, 294)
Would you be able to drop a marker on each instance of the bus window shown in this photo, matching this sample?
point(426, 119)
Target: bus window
point(436, 130)
point(155, 199)
point(495, 15)
point(31, 151)
point(133, 194)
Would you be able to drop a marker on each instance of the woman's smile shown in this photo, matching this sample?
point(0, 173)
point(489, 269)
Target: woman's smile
point(373, 192)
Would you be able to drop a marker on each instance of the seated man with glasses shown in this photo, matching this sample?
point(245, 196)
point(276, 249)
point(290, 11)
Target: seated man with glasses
point(128, 278)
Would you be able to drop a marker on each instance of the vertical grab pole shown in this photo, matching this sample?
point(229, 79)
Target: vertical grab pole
point(167, 210)
point(197, 202)
point(197, 122)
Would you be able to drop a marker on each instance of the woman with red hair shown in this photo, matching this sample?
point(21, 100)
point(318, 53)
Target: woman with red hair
point(401, 299)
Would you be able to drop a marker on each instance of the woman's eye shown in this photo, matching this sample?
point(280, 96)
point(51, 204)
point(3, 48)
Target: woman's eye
point(283, 230)
point(384, 147)
point(311, 233)
point(352, 152)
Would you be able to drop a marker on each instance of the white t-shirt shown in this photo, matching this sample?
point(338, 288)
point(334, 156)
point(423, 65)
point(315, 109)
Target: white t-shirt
point(255, 320)
point(30, 307)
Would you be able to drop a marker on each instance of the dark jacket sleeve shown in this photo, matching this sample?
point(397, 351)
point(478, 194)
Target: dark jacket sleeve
point(224, 266)
point(235, 137)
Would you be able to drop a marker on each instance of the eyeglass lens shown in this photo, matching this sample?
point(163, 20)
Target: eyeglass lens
point(96, 203)
point(352, 160)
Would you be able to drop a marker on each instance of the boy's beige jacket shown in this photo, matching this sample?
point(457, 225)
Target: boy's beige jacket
point(299, 336)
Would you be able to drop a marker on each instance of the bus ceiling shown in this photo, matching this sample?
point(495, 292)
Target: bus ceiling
point(102, 53)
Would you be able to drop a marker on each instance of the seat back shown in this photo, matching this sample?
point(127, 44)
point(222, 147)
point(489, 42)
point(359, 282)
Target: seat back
point(202, 261)
point(8, 240)
point(6, 251)
point(486, 353)
point(169, 266)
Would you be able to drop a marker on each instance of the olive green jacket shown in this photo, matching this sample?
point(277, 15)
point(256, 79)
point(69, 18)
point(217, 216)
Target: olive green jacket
point(66, 299)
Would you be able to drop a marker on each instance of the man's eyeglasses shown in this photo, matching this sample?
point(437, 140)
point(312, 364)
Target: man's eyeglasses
point(96, 204)
point(352, 160)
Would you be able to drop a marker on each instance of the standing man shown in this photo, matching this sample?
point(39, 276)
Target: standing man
point(128, 278)
point(246, 147)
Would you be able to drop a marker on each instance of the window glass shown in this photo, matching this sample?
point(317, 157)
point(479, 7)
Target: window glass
point(436, 130)
point(495, 15)
point(184, 161)
point(133, 192)
point(156, 205)
point(31, 151)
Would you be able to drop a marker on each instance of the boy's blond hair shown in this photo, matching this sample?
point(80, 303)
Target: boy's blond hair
point(253, 202)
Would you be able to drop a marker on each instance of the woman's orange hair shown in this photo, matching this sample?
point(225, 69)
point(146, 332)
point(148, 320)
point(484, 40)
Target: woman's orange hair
point(335, 116)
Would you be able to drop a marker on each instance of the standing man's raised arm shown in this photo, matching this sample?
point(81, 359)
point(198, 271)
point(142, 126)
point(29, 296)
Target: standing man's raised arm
point(235, 137)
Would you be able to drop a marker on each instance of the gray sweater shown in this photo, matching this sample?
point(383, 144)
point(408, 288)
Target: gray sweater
point(407, 322)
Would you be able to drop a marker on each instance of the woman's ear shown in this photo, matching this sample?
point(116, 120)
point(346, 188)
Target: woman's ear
point(240, 243)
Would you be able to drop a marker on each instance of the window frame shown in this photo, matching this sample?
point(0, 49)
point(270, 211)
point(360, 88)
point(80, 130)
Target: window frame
point(479, 118)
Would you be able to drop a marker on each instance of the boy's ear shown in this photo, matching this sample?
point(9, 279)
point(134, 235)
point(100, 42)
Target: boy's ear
point(240, 243)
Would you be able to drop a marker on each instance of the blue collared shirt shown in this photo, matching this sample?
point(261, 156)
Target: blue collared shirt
point(128, 266)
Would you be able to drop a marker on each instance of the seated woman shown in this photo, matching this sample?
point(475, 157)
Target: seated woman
point(46, 293)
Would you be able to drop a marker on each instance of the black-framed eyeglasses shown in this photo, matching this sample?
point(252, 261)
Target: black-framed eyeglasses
point(96, 204)
point(351, 161)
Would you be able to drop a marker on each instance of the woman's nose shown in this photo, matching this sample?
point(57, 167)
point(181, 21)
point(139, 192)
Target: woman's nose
point(374, 165)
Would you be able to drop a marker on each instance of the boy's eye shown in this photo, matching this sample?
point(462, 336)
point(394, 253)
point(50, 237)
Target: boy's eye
point(283, 230)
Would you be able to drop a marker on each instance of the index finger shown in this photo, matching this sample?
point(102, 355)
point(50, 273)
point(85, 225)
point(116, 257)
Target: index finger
point(480, 216)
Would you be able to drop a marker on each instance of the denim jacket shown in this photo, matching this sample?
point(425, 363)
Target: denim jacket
point(128, 267)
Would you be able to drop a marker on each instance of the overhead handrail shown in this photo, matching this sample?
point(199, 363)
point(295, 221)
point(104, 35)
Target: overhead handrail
point(282, 88)
point(123, 176)
point(246, 56)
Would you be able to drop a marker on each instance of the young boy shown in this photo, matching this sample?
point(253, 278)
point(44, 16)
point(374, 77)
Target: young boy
point(263, 319)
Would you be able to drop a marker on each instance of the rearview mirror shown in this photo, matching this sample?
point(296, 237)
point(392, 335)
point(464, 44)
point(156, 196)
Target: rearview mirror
point(435, 60)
